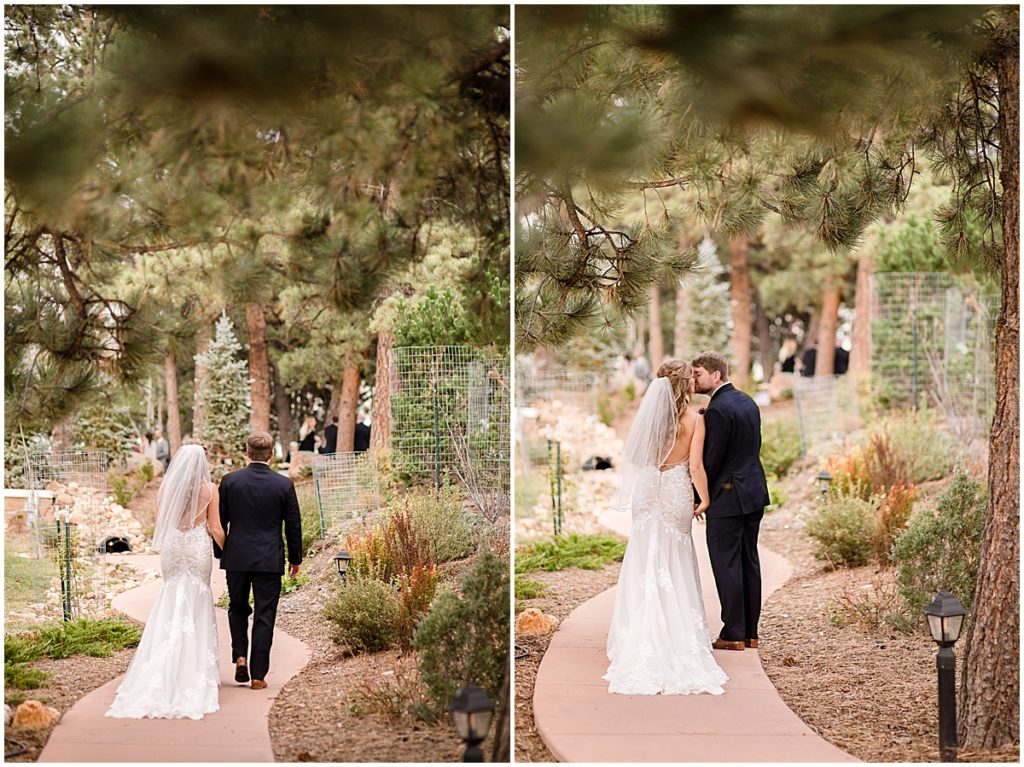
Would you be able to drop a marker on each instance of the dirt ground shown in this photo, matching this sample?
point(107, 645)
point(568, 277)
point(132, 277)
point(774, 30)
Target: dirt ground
point(321, 715)
point(870, 691)
point(566, 590)
point(70, 680)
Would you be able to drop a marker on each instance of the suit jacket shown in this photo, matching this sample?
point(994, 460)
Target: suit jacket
point(254, 501)
point(732, 454)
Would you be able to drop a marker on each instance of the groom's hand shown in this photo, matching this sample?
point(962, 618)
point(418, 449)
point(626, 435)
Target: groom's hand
point(293, 571)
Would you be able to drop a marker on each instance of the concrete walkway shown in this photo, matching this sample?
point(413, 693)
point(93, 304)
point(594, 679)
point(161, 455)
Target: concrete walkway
point(580, 721)
point(238, 732)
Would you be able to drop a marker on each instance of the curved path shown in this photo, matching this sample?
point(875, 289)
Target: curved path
point(238, 732)
point(580, 721)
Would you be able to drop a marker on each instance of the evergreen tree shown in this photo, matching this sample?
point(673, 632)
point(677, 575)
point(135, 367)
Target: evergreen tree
point(225, 396)
point(707, 305)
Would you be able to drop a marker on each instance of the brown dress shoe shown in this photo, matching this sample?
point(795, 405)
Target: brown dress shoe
point(751, 643)
point(725, 644)
point(258, 684)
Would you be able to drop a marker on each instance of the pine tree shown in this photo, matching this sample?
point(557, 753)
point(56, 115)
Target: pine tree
point(225, 396)
point(707, 306)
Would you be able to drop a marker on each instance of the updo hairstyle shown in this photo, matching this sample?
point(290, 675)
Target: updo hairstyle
point(680, 375)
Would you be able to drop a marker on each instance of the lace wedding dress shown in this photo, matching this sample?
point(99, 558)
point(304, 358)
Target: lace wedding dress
point(658, 641)
point(174, 673)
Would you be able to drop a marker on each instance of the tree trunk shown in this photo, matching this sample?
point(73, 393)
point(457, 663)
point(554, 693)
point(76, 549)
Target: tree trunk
point(679, 327)
point(764, 337)
point(990, 690)
point(259, 367)
point(860, 355)
point(173, 415)
point(739, 287)
point(380, 416)
point(825, 361)
point(203, 337)
point(285, 428)
point(656, 346)
point(348, 404)
point(334, 405)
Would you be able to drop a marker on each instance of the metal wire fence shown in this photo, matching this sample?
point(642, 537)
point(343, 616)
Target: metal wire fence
point(450, 408)
point(933, 339)
point(574, 389)
point(827, 409)
point(346, 485)
point(56, 552)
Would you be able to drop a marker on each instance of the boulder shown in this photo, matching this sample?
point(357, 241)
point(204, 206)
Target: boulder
point(532, 622)
point(33, 715)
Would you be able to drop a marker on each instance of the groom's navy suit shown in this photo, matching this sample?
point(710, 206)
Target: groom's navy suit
point(739, 494)
point(254, 502)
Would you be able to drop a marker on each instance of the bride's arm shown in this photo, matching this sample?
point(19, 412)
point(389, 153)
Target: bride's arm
point(697, 472)
point(213, 519)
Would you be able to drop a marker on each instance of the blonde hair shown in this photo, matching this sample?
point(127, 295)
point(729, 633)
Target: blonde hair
point(680, 375)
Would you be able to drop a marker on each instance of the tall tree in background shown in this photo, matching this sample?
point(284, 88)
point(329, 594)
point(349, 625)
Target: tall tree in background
point(225, 396)
point(739, 295)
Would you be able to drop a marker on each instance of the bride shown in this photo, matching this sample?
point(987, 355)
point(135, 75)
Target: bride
point(174, 673)
point(658, 640)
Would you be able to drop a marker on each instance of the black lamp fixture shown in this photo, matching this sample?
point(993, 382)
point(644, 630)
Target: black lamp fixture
point(472, 712)
point(824, 480)
point(945, 620)
point(341, 560)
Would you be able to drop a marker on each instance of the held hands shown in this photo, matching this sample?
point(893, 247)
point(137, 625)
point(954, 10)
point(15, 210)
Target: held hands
point(699, 509)
point(293, 571)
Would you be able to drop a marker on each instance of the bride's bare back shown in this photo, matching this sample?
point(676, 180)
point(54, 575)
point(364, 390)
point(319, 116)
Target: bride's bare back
point(680, 451)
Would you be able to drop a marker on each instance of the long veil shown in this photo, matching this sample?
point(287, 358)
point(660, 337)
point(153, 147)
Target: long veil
point(649, 441)
point(178, 503)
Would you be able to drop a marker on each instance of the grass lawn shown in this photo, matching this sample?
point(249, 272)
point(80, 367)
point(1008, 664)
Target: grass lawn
point(25, 580)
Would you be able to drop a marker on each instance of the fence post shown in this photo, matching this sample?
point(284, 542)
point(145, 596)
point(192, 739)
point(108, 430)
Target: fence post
point(913, 379)
point(551, 491)
point(437, 441)
point(558, 454)
point(66, 570)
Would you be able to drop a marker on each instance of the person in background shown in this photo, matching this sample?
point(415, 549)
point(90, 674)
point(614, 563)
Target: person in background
point(162, 451)
point(787, 356)
point(362, 440)
point(307, 435)
point(330, 437)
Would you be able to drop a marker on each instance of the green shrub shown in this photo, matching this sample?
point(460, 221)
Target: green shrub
point(527, 588)
point(780, 447)
point(927, 451)
point(843, 530)
point(940, 550)
point(21, 677)
point(364, 613)
point(588, 552)
point(85, 636)
point(464, 638)
point(440, 519)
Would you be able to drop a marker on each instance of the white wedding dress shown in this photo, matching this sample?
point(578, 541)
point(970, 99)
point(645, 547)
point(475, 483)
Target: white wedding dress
point(174, 673)
point(658, 641)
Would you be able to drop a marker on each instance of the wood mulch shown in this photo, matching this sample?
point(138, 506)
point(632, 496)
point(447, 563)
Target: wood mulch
point(324, 713)
point(70, 680)
point(566, 590)
point(869, 690)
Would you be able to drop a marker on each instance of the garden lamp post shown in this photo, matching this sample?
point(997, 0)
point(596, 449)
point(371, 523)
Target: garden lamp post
point(471, 713)
point(945, 619)
point(824, 480)
point(341, 560)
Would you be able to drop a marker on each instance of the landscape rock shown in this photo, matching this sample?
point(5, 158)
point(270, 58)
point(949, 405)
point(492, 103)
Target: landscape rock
point(33, 715)
point(532, 622)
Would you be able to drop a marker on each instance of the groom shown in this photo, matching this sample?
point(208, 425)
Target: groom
point(254, 502)
point(739, 494)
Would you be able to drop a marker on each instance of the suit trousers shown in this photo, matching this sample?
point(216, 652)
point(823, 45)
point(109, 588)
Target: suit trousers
point(266, 592)
point(732, 547)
